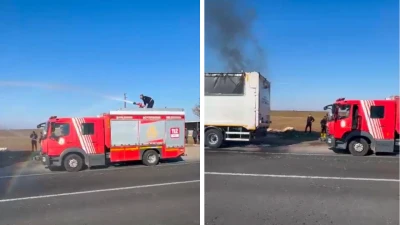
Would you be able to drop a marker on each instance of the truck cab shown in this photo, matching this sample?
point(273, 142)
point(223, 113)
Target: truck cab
point(63, 137)
point(362, 125)
point(343, 117)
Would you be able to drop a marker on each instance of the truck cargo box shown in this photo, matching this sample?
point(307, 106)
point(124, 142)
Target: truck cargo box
point(237, 99)
point(236, 104)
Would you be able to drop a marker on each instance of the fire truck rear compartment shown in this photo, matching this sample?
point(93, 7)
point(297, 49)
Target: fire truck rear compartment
point(138, 136)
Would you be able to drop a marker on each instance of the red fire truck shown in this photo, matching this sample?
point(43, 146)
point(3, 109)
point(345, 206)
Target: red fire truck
point(118, 136)
point(363, 125)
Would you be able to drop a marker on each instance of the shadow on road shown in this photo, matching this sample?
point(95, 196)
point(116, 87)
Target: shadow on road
point(387, 154)
point(136, 163)
point(133, 163)
point(280, 139)
point(9, 158)
point(346, 152)
point(340, 151)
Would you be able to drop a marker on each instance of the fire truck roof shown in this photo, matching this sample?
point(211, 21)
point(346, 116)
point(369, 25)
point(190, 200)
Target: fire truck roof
point(145, 111)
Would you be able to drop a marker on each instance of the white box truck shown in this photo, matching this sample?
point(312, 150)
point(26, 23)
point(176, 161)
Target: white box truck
point(236, 107)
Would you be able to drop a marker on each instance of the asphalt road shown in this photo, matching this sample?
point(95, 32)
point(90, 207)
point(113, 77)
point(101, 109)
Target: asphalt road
point(273, 188)
point(165, 194)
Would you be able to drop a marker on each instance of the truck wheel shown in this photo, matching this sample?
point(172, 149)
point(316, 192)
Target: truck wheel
point(73, 163)
point(359, 147)
point(213, 138)
point(150, 158)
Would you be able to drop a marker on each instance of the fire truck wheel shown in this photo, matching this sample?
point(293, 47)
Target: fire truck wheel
point(213, 138)
point(73, 163)
point(359, 147)
point(150, 158)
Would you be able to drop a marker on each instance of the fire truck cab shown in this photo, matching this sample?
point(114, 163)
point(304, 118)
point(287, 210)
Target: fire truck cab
point(363, 125)
point(118, 136)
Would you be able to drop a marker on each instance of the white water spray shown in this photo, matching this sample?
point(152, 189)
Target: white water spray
point(47, 86)
point(58, 87)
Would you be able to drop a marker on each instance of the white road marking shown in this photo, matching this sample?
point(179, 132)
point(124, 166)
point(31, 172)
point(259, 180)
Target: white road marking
point(98, 191)
point(294, 153)
point(300, 177)
point(97, 170)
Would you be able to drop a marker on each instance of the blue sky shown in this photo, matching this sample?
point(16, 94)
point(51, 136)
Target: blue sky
point(319, 50)
point(105, 47)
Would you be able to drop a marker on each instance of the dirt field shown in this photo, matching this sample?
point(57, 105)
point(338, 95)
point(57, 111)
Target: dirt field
point(296, 119)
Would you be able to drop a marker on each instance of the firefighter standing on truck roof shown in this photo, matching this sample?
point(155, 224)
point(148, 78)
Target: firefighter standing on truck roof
point(310, 120)
point(147, 101)
point(323, 127)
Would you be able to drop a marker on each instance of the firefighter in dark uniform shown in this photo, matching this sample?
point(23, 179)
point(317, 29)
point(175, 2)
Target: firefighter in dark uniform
point(186, 135)
point(147, 101)
point(323, 127)
point(310, 120)
point(195, 133)
point(34, 138)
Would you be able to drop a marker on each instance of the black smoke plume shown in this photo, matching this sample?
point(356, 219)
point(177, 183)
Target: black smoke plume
point(228, 32)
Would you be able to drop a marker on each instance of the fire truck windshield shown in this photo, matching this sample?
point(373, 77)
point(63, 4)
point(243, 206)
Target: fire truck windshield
point(342, 111)
point(58, 130)
point(338, 111)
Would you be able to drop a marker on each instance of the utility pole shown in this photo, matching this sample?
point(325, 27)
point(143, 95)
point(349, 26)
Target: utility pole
point(125, 100)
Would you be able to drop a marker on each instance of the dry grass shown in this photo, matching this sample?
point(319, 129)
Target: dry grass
point(16, 139)
point(296, 119)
